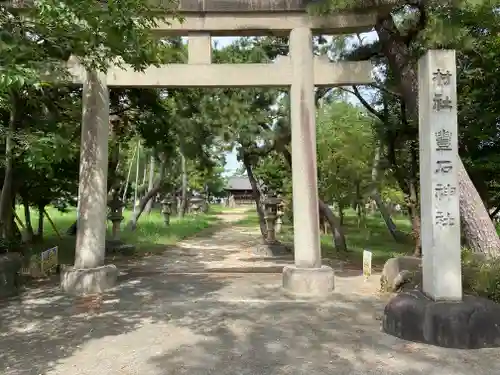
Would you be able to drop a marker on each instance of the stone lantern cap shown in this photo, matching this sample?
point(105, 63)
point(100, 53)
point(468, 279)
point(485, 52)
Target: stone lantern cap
point(196, 199)
point(271, 201)
point(167, 200)
point(115, 203)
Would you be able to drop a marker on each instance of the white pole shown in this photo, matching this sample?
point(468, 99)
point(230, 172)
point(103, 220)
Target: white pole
point(137, 174)
point(128, 175)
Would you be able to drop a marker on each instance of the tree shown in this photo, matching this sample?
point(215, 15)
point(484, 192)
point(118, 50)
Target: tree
point(398, 29)
point(36, 43)
point(345, 152)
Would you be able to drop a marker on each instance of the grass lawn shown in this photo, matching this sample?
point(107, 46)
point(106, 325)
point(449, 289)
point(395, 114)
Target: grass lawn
point(151, 235)
point(372, 235)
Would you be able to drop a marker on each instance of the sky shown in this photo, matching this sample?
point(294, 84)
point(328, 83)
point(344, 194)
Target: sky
point(232, 163)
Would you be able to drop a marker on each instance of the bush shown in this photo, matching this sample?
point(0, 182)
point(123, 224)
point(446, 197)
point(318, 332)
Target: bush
point(481, 277)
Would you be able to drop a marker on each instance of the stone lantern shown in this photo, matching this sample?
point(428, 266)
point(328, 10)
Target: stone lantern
point(166, 209)
point(196, 204)
point(279, 217)
point(271, 215)
point(115, 215)
point(271, 246)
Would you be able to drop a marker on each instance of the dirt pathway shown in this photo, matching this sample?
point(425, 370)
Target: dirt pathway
point(175, 314)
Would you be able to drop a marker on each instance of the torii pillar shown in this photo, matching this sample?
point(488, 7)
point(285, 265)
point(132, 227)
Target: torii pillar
point(307, 277)
point(90, 275)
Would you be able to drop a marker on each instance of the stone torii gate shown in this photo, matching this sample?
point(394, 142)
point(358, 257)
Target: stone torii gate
point(301, 71)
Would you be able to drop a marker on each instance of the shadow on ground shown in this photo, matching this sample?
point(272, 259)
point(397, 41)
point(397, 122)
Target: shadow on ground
point(160, 324)
point(163, 319)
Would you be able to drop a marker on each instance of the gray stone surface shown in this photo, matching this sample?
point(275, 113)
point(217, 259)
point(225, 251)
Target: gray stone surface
point(398, 271)
point(10, 266)
point(471, 323)
point(440, 230)
point(119, 247)
point(271, 249)
point(246, 5)
point(83, 281)
point(308, 282)
point(163, 319)
point(260, 6)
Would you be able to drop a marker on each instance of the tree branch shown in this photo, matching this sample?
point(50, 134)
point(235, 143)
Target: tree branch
point(363, 101)
point(385, 89)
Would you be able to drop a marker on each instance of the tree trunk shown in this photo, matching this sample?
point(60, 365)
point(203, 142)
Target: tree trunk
point(479, 229)
point(184, 187)
point(30, 234)
point(114, 159)
point(149, 195)
point(41, 217)
point(341, 214)
point(142, 205)
point(149, 205)
point(6, 217)
point(495, 212)
point(415, 198)
point(415, 219)
point(256, 196)
point(359, 209)
point(375, 195)
point(145, 174)
point(337, 232)
point(336, 227)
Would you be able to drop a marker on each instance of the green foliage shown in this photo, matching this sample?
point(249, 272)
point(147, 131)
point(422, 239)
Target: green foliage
point(97, 34)
point(151, 236)
point(480, 277)
point(345, 151)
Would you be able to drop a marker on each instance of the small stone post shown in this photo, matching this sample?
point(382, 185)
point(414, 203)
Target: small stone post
point(166, 209)
point(439, 195)
point(89, 275)
point(307, 278)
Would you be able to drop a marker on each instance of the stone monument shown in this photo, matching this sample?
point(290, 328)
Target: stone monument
point(437, 313)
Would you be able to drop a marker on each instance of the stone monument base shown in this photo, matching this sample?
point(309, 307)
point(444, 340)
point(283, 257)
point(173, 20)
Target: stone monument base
point(119, 247)
point(274, 249)
point(84, 281)
point(472, 323)
point(308, 282)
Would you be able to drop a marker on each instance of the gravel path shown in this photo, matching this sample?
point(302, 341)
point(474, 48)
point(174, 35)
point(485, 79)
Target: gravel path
point(170, 316)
